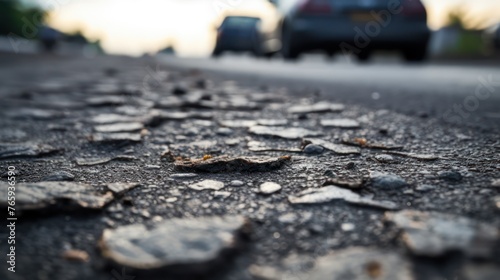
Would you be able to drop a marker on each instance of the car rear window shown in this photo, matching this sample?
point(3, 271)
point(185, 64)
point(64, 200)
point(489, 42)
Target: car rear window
point(239, 21)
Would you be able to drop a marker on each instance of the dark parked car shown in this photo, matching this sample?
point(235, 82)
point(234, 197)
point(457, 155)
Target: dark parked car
point(493, 37)
point(352, 26)
point(238, 34)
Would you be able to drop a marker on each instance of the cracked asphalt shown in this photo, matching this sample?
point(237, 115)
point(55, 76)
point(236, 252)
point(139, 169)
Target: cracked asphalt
point(132, 168)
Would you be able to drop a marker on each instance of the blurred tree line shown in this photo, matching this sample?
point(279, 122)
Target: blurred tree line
point(20, 21)
point(14, 15)
point(469, 41)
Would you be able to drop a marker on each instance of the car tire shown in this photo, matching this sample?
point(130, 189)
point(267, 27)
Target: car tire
point(415, 53)
point(257, 50)
point(268, 55)
point(216, 53)
point(289, 49)
point(330, 54)
point(364, 56)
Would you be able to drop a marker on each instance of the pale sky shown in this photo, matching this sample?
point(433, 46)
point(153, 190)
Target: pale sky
point(134, 27)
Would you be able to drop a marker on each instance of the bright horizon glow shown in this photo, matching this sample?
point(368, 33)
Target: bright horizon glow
point(132, 28)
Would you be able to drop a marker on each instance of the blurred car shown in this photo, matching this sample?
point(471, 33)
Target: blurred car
point(49, 38)
point(238, 34)
point(352, 26)
point(493, 37)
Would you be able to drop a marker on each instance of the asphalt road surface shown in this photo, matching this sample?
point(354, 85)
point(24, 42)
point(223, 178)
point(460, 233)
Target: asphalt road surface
point(463, 93)
point(141, 168)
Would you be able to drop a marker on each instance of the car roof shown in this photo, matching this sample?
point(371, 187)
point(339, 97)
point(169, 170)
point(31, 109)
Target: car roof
point(242, 17)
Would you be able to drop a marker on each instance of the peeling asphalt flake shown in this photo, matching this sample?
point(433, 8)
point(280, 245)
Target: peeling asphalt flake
point(201, 178)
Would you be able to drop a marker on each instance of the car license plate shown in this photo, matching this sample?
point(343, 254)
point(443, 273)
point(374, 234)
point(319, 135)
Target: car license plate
point(363, 17)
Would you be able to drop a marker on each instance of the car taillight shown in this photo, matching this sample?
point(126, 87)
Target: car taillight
point(316, 7)
point(413, 8)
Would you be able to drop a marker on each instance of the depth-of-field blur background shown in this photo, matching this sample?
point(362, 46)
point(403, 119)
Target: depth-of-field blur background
point(136, 27)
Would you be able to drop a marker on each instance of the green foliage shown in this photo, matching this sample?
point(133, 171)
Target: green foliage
point(470, 43)
point(15, 18)
point(455, 19)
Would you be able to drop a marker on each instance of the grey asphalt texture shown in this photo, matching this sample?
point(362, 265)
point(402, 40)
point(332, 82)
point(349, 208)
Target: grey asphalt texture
point(395, 104)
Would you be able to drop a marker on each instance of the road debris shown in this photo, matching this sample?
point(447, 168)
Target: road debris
point(361, 263)
point(496, 201)
point(59, 176)
point(182, 176)
point(269, 188)
point(286, 133)
point(12, 135)
point(237, 183)
point(194, 244)
point(25, 150)
point(481, 271)
point(221, 194)
point(119, 127)
point(119, 137)
point(386, 181)
point(98, 161)
point(336, 148)
point(313, 149)
point(233, 133)
point(451, 176)
point(231, 164)
point(159, 116)
point(320, 107)
point(207, 185)
point(362, 142)
point(238, 123)
point(425, 188)
point(34, 113)
point(66, 195)
point(204, 145)
point(434, 234)
point(288, 218)
point(495, 183)
point(109, 100)
point(331, 193)
point(76, 255)
point(340, 123)
point(112, 118)
point(424, 157)
point(384, 158)
point(272, 122)
point(349, 184)
point(256, 146)
point(121, 188)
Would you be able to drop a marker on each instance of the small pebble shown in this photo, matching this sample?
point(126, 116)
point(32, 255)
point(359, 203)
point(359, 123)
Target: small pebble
point(350, 165)
point(425, 188)
point(224, 131)
point(237, 183)
point(312, 149)
point(207, 185)
point(171, 199)
point(387, 181)
point(347, 227)
point(151, 166)
point(330, 173)
point(183, 175)
point(452, 176)
point(59, 176)
point(222, 194)
point(76, 256)
point(496, 183)
point(384, 158)
point(269, 188)
point(288, 218)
